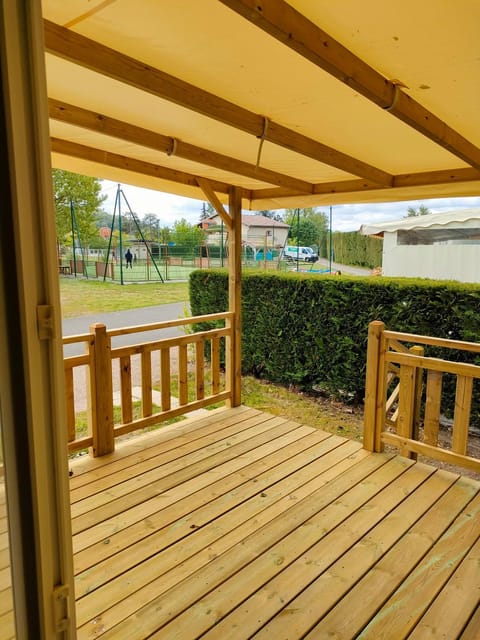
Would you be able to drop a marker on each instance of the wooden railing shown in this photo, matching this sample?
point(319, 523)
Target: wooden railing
point(404, 396)
point(181, 362)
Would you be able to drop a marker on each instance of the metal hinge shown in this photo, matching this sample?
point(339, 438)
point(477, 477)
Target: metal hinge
point(45, 325)
point(61, 607)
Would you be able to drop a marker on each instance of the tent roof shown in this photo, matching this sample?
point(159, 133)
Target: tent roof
point(301, 104)
point(458, 219)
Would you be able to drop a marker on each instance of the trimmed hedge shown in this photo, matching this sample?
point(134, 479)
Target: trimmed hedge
point(352, 248)
point(312, 331)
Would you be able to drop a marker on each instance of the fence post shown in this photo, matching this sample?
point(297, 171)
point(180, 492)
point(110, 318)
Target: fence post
point(100, 396)
point(370, 426)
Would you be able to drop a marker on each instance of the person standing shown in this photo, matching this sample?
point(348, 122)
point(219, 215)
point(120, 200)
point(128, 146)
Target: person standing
point(128, 258)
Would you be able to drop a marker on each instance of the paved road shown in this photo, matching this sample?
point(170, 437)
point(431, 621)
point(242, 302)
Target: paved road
point(128, 318)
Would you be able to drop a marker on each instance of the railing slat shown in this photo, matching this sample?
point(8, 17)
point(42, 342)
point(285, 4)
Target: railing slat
point(126, 388)
point(406, 405)
point(461, 418)
point(199, 371)
point(182, 374)
point(70, 403)
point(165, 379)
point(147, 405)
point(215, 365)
point(433, 401)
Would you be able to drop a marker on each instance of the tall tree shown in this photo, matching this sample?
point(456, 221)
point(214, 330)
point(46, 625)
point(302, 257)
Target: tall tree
point(273, 215)
point(421, 211)
point(85, 194)
point(186, 235)
point(308, 227)
point(150, 226)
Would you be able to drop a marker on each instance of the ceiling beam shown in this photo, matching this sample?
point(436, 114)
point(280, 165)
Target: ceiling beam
point(424, 178)
point(294, 30)
point(93, 55)
point(101, 123)
point(73, 149)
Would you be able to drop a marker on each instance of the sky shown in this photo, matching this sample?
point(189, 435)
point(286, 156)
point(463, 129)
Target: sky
point(348, 217)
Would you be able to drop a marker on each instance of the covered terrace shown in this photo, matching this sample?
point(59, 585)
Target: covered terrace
point(233, 524)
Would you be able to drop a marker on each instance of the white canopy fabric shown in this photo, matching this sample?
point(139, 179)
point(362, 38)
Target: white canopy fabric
point(304, 103)
point(466, 218)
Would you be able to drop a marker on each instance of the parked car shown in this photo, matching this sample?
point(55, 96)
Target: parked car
point(302, 254)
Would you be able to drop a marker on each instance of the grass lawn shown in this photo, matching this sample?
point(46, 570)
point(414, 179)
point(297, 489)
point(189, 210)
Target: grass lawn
point(81, 297)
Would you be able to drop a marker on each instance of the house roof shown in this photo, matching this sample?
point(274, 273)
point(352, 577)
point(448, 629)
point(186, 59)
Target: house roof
point(301, 104)
point(466, 218)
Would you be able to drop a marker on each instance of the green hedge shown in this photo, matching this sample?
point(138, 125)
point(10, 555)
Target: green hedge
point(354, 249)
point(312, 330)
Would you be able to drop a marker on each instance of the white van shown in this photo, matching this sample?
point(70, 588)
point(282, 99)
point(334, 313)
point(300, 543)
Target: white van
point(302, 254)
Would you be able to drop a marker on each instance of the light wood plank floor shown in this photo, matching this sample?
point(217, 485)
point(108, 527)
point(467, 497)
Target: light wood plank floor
point(242, 525)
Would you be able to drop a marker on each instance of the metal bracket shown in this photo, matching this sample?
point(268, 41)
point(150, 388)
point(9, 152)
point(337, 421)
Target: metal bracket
point(61, 607)
point(45, 324)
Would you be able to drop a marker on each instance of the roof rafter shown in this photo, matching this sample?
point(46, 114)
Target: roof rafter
point(118, 161)
point(101, 123)
point(400, 181)
point(90, 54)
point(290, 27)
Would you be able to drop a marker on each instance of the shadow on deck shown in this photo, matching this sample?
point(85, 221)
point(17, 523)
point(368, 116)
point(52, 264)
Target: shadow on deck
point(239, 524)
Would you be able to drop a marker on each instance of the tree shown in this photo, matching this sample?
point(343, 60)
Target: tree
point(150, 226)
point(207, 210)
point(84, 193)
point(308, 227)
point(186, 235)
point(421, 211)
point(273, 215)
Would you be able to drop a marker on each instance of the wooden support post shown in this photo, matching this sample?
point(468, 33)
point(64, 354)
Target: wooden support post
point(234, 345)
point(100, 397)
point(375, 330)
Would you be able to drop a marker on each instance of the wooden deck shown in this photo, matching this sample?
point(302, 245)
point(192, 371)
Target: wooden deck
point(238, 524)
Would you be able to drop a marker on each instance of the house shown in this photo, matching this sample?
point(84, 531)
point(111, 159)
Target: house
point(258, 232)
point(254, 106)
point(442, 246)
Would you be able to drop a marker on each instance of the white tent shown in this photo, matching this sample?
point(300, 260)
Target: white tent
point(442, 246)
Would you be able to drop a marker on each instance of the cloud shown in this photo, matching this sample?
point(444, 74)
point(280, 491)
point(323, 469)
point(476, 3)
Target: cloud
point(349, 217)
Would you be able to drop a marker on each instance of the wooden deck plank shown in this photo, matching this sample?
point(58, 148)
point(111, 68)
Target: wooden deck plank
point(471, 630)
point(224, 495)
point(456, 603)
point(406, 606)
point(146, 501)
point(217, 536)
point(273, 596)
point(183, 594)
point(239, 525)
point(134, 450)
point(122, 482)
point(365, 596)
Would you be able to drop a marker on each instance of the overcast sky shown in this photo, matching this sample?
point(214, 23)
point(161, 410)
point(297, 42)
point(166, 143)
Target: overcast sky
point(349, 217)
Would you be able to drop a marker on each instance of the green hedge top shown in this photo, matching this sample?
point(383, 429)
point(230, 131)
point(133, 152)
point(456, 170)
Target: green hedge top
point(311, 330)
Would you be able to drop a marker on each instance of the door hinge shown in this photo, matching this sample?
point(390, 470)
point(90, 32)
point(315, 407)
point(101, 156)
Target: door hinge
point(45, 324)
point(61, 607)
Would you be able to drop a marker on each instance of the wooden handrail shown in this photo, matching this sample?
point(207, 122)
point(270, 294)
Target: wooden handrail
point(98, 361)
point(401, 410)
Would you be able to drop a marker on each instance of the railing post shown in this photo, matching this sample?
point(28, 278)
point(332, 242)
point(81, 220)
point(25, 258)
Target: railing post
point(370, 426)
point(100, 396)
point(417, 350)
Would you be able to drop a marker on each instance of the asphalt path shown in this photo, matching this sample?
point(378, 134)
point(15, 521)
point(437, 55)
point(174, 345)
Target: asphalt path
point(128, 318)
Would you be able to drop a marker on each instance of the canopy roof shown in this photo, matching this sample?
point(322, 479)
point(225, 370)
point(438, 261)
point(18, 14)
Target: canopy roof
point(301, 104)
point(464, 219)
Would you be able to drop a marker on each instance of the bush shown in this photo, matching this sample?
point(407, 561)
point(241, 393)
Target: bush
point(311, 330)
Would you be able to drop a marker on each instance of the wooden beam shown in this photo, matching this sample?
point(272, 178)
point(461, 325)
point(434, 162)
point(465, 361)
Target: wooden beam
point(214, 201)
point(425, 178)
point(102, 123)
point(93, 55)
point(234, 371)
point(131, 164)
point(293, 29)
